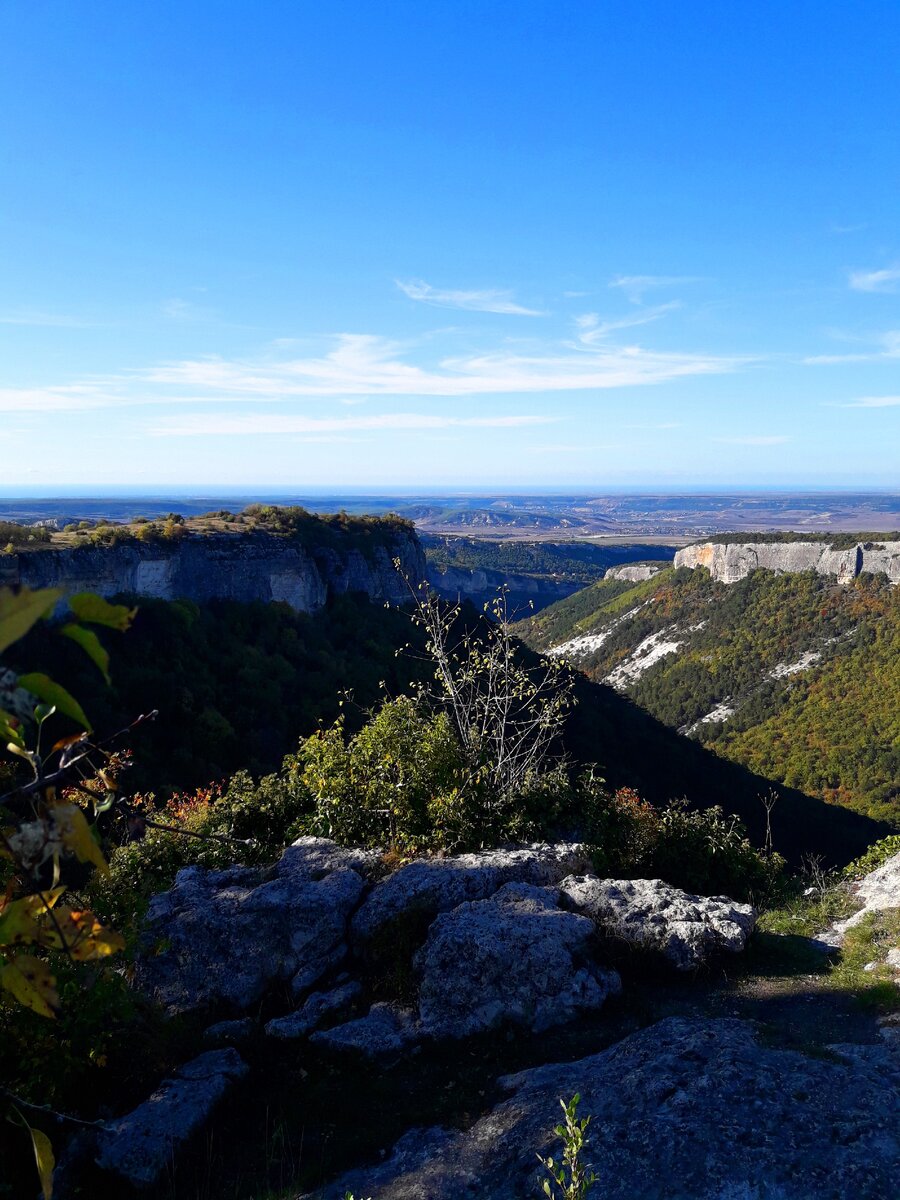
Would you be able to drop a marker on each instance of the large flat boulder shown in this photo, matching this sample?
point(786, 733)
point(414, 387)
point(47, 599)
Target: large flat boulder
point(426, 887)
point(688, 1109)
point(653, 915)
point(221, 938)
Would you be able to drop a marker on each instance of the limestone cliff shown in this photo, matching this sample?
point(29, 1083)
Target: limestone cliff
point(482, 585)
point(225, 566)
point(730, 561)
point(635, 572)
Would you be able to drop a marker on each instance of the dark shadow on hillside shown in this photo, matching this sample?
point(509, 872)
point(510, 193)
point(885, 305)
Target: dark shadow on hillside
point(634, 749)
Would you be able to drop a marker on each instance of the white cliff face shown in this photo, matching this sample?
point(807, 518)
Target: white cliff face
point(728, 562)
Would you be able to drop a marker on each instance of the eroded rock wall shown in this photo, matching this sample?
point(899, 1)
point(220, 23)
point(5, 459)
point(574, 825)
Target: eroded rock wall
point(245, 567)
point(730, 561)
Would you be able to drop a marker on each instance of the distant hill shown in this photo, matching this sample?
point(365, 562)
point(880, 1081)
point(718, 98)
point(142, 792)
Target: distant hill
point(794, 676)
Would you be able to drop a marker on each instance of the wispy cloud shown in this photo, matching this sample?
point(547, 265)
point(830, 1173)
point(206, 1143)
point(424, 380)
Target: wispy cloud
point(885, 280)
point(205, 425)
point(591, 329)
point(362, 364)
point(634, 286)
point(753, 439)
point(888, 347)
point(50, 320)
point(493, 300)
point(70, 398)
point(872, 402)
point(354, 367)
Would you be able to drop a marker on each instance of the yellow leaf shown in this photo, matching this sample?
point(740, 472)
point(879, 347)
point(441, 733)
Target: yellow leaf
point(75, 835)
point(43, 1156)
point(19, 611)
point(20, 919)
point(81, 935)
point(31, 982)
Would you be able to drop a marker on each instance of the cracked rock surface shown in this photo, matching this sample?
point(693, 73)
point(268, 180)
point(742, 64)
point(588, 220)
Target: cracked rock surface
point(687, 1109)
point(648, 913)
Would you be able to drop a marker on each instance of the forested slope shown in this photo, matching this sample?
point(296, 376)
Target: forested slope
point(237, 685)
point(795, 676)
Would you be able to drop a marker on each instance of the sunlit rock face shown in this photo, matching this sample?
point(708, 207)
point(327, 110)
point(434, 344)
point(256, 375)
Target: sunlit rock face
point(245, 567)
point(730, 561)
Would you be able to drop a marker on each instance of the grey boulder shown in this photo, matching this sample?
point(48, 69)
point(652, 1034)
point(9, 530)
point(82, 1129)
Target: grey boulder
point(227, 935)
point(688, 1109)
point(517, 957)
point(648, 913)
point(140, 1147)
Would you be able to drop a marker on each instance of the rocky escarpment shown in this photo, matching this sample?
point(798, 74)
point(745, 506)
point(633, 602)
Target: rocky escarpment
point(730, 561)
point(227, 566)
point(482, 585)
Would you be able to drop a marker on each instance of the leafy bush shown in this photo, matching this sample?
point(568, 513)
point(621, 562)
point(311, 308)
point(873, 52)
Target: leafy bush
point(876, 856)
point(703, 851)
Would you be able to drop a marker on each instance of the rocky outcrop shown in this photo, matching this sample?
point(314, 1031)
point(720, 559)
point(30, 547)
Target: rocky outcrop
point(635, 572)
point(876, 892)
point(730, 561)
point(219, 939)
point(650, 915)
point(140, 1147)
point(424, 888)
point(687, 1108)
point(226, 566)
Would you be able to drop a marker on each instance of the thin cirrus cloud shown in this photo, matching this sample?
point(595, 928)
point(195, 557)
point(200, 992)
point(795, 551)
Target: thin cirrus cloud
point(885, 280)
point(492, 300)
point(356, 366)
point(872, 402)
point(754, 439)
point(282, 424)
point(634, 286)
point(69, 398)
point(591, 329)
point(365, 365)
point(888, 348)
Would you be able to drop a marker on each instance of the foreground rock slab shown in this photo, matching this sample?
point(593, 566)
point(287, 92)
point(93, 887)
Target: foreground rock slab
point(650, 914)
point(140, 1147)
point(689, 1109)
point(227, 935)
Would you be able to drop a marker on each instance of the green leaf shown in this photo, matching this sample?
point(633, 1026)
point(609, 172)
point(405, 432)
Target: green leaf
point(90, 644)
point(20, 610)
point(50, 692)
point(10, 729)
point(96, 611)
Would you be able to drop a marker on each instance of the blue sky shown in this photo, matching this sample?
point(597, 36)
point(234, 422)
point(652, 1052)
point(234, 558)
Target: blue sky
point(449, 243)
